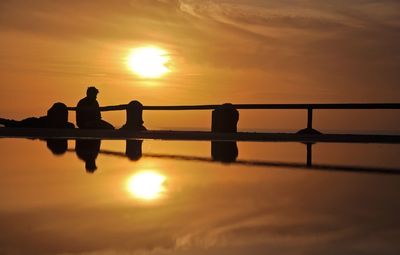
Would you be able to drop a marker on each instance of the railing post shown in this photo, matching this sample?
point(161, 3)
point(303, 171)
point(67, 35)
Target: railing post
point(225, 119)
point(309, 154)
point(309, 118)
point(226, 152)
point(133, 149)
point(134, 116)
point(57, 116)
point(309, 130)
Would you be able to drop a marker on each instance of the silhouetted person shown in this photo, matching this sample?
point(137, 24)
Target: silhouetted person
point(57, 146)
point(87, 150)
point(88, 113)
point(225, 152)
point(57, 117)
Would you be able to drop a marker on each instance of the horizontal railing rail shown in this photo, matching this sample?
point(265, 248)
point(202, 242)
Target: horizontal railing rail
point(225, 117)
point(344, 106)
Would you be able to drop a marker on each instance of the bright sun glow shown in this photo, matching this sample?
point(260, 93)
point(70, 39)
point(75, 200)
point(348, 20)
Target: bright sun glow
point(147, 185)
point(148, 62)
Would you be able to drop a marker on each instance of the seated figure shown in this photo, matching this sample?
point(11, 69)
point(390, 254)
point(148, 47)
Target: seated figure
point(88, 113)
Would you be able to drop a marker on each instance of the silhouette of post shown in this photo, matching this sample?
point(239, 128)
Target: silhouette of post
point(309, 118)
point(225, 152)
point(225, 119)
point(57, 115)
point(133, 149)
point(134, 116)
point(57, 146)
point(309, 154)
point(309, 130)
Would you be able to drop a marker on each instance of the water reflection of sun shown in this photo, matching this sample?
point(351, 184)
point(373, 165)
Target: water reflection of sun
point(146, 185)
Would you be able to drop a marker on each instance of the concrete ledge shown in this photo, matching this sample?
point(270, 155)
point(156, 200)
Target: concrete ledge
point(194, 136)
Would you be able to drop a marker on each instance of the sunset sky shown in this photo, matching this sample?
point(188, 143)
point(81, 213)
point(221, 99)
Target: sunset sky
point(239, 51)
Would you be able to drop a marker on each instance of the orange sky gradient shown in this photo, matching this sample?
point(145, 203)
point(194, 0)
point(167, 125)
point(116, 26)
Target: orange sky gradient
point(236, 51)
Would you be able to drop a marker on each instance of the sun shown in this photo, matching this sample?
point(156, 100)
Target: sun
point(148, 62)
point(146, 185)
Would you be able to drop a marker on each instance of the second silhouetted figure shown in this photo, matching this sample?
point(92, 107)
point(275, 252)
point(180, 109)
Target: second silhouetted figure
point(88, 112)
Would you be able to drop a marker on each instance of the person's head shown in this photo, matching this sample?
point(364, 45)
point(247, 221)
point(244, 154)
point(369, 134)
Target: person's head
point(90, 165)
point(92, 92)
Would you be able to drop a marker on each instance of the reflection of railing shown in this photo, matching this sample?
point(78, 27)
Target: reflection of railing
point(194, 135)
point(134, 152)
point(256, 163)
point(225, 116)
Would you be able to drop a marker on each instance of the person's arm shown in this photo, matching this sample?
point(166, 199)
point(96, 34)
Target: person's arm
point(98, 112)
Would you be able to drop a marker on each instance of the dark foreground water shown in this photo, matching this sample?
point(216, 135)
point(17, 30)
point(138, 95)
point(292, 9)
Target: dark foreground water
point(163, 197)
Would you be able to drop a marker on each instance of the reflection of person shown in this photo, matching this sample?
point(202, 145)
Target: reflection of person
point(57, 117)
point(88, 112)
point(87, 150)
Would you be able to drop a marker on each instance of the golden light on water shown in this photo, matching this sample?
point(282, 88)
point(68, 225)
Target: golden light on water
point(148, 62)
point(146, 185)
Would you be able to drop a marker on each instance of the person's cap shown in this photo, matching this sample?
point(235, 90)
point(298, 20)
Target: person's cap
point(92, 90)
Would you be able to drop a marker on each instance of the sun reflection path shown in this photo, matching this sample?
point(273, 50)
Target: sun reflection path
point(146, 185)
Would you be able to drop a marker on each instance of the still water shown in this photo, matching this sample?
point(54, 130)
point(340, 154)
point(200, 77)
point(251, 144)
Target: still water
point(166, 197)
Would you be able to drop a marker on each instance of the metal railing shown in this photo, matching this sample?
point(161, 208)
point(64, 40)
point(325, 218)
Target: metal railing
point(308, 107)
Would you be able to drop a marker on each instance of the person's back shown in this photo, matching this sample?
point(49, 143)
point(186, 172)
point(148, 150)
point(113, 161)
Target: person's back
point(88, 112)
